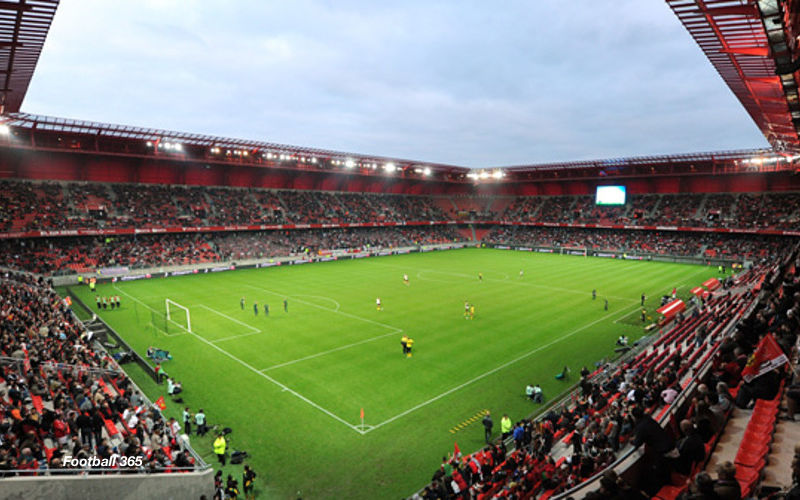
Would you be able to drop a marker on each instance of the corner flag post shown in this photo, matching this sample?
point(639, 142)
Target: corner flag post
point(362, 419)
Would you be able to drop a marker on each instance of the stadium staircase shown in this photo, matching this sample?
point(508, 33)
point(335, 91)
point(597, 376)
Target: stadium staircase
point(654, 210)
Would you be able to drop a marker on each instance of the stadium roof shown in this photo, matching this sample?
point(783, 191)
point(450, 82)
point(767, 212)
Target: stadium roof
point(746, 42)
point(23, 28)
point(212, 147)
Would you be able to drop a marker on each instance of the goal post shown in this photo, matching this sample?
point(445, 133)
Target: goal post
point(574, 251)
point(178, 314)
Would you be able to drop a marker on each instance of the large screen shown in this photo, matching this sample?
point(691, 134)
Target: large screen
point(610, 195)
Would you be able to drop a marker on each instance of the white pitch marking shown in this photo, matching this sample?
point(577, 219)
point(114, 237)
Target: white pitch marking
point(256, 330)
point(338, 306)
point(493, 370)
point(329, 351)
point(536, 285)
point(251, 368)
point(394, 328)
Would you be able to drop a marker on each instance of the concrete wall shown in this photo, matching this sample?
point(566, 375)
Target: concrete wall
point(175, 486)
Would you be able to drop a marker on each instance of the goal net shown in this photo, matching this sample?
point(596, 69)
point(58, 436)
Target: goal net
point(178, 315)
point(574, 251)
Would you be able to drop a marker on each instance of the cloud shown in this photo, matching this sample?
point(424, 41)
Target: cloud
point(451, 82)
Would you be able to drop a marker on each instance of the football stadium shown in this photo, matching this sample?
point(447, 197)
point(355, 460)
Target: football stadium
point(192, 315)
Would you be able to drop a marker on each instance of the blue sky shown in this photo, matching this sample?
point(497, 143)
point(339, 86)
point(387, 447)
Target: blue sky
point(470, 83)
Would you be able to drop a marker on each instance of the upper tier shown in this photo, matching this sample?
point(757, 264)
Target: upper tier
point(27, 206)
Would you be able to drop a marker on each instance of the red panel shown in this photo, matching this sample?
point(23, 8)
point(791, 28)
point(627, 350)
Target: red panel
point(667, 185)
point(240, 177)
point(108, 170)
point(704, 184)
point(355, 184)
point(303, 181)
point(272, 179)
point(202, 175)
point(158, 173)
point(579, 188)
point(332, 183)
point(49, 167)
point(374, 186)
point(552, 188)
point(748, 183)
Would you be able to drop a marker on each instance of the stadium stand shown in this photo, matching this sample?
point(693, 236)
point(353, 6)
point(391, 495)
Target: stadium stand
point(62, 395)
point(617, 409)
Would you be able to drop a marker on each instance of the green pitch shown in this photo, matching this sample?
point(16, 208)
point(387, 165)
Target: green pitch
point(292, 384)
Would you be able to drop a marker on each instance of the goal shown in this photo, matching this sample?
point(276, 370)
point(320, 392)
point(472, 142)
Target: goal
point(574, 251)
point(178, 314)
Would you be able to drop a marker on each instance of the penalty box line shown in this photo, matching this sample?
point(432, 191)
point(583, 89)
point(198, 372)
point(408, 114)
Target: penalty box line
point(394, 330)
point(255, 331)
point(284, 387)
point(495, 370)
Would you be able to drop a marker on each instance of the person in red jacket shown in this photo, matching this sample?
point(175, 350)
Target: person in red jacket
point(60, 430)
point(459, 480)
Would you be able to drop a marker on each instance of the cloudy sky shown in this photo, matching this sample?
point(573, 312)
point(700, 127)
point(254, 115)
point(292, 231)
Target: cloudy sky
point(470, 83)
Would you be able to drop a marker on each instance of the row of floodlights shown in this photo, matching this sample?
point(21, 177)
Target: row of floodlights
point(485, 174)
point(348, 163)
point(166, 145)
point(388, 167)
point(772, 159)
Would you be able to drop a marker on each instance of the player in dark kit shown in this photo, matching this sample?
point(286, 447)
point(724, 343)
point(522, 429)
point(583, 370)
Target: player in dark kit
point(594, 293)
point(285, 305)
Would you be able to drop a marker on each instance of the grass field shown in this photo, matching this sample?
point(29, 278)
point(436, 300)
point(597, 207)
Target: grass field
point(291, 385)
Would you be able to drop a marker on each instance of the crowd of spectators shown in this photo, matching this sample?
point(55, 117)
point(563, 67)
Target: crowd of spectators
point(61, 395)
point(30, 205)
point(79, 205)
point(67, 255)
point(694, 244)
point(80, 254)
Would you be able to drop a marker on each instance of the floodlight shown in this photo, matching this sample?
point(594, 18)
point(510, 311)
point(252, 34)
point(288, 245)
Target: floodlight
point(349, 163)
point(390, 167)
point(426, 171)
